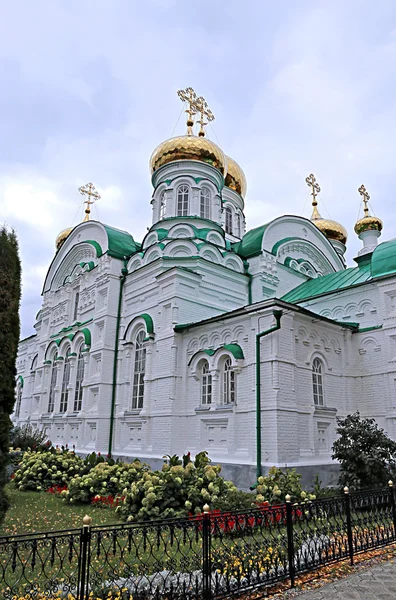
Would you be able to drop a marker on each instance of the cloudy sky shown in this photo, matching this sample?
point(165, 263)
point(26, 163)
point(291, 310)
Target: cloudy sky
point(88, 89)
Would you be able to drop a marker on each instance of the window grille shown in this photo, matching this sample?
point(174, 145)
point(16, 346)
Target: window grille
point(139, 371)
point(182, 201)
point(228, 383)
point(206, 385)
point(79, 381)
point(317, 382)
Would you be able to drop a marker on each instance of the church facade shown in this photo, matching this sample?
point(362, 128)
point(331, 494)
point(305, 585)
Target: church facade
point(203, 335)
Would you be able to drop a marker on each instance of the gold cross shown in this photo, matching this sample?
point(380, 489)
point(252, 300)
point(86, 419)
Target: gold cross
point(188, 95)
point(311, 182)
point(202, 107)
point(89, 190)
point(363, 192)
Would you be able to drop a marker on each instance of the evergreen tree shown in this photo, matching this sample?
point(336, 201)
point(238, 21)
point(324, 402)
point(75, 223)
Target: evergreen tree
point(10, 293)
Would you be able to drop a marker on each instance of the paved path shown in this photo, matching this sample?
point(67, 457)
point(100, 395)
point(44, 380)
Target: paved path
point(377, 583)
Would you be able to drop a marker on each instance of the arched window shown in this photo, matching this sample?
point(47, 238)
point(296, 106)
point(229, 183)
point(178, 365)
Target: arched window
point(205, 204)
point(65, 385)
point(228, 383)
point(238, 224)
point(228, 220)
point(139, 371)
point(182, 201)
point(76, 301)
point(17, 409)
point(33, 374)
point(162, 206)
point(317, 382)
point(79, 381)
point(206, 384)
point(51, 395)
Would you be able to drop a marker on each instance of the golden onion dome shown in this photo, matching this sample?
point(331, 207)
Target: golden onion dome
point(61, 237)
point(368, 224)
point(188, 147)
point(235, 178)
point(331, 229)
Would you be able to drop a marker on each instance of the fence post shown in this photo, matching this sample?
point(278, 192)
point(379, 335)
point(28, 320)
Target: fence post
point(83, 559)
point(349, 522)
point(392, 495)
point(206, 551)
point(290, 539)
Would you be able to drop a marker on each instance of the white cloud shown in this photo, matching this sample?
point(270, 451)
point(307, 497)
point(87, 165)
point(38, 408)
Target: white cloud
point(296, 88)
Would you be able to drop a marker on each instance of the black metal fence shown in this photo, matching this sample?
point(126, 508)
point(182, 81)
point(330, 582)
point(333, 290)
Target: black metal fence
point(212, 556)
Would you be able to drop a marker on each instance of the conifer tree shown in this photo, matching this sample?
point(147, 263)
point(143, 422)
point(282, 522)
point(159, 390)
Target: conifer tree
point(10, 293)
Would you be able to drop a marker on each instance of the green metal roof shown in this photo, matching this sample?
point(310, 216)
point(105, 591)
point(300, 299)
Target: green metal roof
point(329, 283)
point(383, 260)
point(380, 263)
point(121, 243)
point(250, 244)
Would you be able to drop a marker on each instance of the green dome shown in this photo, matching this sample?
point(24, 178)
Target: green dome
point(383, 259)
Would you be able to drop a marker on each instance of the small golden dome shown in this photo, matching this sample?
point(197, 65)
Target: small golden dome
point(235, 178)
point(368, 223)
point(331, 229)
point(61, 237)
point(188, 147)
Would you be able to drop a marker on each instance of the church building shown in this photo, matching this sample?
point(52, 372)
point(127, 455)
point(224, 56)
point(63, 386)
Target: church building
point(207, 336)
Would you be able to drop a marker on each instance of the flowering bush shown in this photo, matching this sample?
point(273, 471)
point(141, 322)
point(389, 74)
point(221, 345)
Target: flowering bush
point(42, 470)
point(177, 490)
point(111, 501)
point(277, 484)
point(104, 479)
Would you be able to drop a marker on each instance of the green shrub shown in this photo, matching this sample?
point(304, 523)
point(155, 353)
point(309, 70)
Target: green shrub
point(277, 484)
point(365, 452)
point(104, 479)
point(181, 488)
point(27, 437)
point(42, 470)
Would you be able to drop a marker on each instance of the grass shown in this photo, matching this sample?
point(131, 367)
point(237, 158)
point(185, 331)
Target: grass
point(39, 511)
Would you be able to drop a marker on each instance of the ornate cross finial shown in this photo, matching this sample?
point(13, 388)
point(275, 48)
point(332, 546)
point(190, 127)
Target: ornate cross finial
point(202, 108)
point(312, 183)
point(89, 190)
point(365, 196)
point(188, 95)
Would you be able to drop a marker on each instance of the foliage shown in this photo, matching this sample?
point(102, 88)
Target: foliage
point(277, 484)
point(42, 470)
point(26, 437)
point(104, 479)
point(10, 294)
point(181, 488)
point(366, 454)
point(322, 492)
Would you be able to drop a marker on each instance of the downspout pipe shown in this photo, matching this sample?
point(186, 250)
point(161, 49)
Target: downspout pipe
point(278, 315)
point(124, 273)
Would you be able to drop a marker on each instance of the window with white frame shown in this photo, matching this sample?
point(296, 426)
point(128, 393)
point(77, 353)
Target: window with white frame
point(65, 385)
point(17, 409)
point(205, 204)
point(76, 301)
point(139, 371)
point(317, 382)
point(51, 395)
point(228, 382)
point(182, 200)
point(78, 392)
point(228, 220)
point(238, 224)
point(162, 206)
point(206, 384)
point(33, 374)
